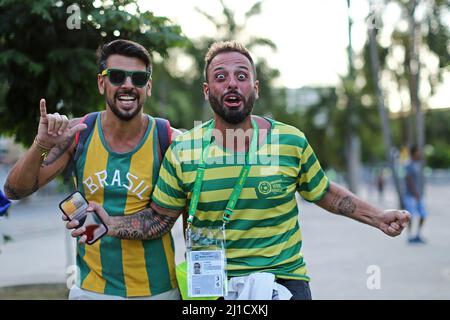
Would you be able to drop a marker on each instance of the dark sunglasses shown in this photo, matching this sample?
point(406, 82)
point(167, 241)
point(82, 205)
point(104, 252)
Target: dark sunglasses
point(117, 77)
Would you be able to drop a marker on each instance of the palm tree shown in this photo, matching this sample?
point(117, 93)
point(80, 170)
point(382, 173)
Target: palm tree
point(375, 68)
point(430, 34)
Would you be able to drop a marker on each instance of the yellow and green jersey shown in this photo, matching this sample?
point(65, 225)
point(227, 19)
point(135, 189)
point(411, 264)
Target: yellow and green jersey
point(122, 183)
point(263, 234)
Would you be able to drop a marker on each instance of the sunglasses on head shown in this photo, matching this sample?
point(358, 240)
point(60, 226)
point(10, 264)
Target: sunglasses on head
point(117, 77)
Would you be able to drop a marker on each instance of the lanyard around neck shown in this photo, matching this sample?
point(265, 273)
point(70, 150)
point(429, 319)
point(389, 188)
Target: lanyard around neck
point(249, 159)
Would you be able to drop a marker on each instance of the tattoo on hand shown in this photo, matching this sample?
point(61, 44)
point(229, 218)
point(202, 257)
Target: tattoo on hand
point(57, 151)
point(144, 225)
point(346, 206)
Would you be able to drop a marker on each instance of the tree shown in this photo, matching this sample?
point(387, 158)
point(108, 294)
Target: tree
point(352, 140)
point(428, 35)
point(387, 138)
point(47, 49)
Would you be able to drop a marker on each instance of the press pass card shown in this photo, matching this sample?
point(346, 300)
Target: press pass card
point(206, 273)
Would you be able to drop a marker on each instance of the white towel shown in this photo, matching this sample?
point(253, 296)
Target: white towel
point(257, 286)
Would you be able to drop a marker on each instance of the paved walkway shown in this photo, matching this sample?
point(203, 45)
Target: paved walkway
point(338, 251)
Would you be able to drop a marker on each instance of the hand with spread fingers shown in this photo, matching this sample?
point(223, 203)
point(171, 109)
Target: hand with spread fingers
point(54, 128)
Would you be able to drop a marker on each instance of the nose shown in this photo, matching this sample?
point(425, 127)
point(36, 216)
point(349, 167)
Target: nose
point(127, 83)
point(232, 84)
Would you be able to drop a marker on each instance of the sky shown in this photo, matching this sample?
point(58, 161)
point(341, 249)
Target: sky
point(311, 36)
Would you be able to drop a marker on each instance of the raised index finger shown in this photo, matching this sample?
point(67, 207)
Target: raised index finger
point(43, 108)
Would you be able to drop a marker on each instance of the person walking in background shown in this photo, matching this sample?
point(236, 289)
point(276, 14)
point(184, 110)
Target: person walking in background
point(413, 198)
point(380, 184)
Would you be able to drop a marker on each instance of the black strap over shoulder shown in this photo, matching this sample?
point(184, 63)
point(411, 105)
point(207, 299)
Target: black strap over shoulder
point(164, 135)
point(89, 121)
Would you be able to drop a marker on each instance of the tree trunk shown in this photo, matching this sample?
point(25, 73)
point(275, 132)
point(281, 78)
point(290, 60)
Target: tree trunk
point(375, 65)
point(353, 144)
point(414, 85)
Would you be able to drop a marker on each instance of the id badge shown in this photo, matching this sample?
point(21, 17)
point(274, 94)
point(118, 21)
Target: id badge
point(206, 262)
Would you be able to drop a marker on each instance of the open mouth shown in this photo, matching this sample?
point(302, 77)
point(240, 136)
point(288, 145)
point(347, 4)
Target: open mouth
point(127, 100)
point(232, 100)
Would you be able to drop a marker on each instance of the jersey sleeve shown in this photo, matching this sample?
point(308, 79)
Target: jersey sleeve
point(168, 192)
point(312, 183)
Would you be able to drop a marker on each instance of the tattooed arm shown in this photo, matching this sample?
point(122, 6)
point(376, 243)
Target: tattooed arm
point(342, 202)
point(150, 223)
point(146, 224)
point(31, 172)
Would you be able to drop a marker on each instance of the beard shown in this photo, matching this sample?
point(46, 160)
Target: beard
point(231, 115)
point(121, 114)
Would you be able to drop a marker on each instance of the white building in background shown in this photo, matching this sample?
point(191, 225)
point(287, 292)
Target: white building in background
point(301, 99)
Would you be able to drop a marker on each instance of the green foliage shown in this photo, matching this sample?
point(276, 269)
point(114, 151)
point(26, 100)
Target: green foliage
point(186, 95)
point(40, 56)
point(437, 133)
point(435, 37)
point(440, 156)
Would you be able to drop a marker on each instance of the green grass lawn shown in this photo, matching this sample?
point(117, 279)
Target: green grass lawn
point(35, 292)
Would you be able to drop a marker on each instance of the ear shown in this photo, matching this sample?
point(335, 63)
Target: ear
point(256, 87)
point(206, 91)
point(149, 88)
point(101, 84)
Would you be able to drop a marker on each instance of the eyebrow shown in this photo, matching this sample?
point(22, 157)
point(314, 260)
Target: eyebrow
point(222, 68)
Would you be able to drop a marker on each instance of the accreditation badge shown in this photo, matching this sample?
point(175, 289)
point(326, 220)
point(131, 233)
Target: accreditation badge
point(206, 262)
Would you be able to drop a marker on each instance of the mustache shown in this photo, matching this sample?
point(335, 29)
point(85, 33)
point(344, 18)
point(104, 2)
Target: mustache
point(130, 92)
point(232, 91)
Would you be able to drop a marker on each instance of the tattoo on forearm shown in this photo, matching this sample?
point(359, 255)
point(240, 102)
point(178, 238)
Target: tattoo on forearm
point(57, 151)
point(144, 225)
point(18, 193)
point(333, 206)
point(346, 206)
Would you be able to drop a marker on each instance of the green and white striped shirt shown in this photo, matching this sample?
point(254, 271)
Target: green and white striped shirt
point(263, 234)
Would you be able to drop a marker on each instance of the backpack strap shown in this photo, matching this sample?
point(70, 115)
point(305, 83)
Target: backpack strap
point(80, 140)
point(164, 136)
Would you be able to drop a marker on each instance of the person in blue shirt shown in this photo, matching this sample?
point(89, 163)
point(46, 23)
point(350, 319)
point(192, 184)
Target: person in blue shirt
point(413, 198)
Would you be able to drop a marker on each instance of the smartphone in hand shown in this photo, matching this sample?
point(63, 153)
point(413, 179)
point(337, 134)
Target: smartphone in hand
point(75, 207)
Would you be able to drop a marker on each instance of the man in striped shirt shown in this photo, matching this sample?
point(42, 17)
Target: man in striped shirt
point(263, 233)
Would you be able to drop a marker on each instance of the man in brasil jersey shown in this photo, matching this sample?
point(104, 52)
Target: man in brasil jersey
point(261, 228)
point(117, 169)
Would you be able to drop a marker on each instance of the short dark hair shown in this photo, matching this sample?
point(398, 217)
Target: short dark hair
point(226, 46)
point(124, 48)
